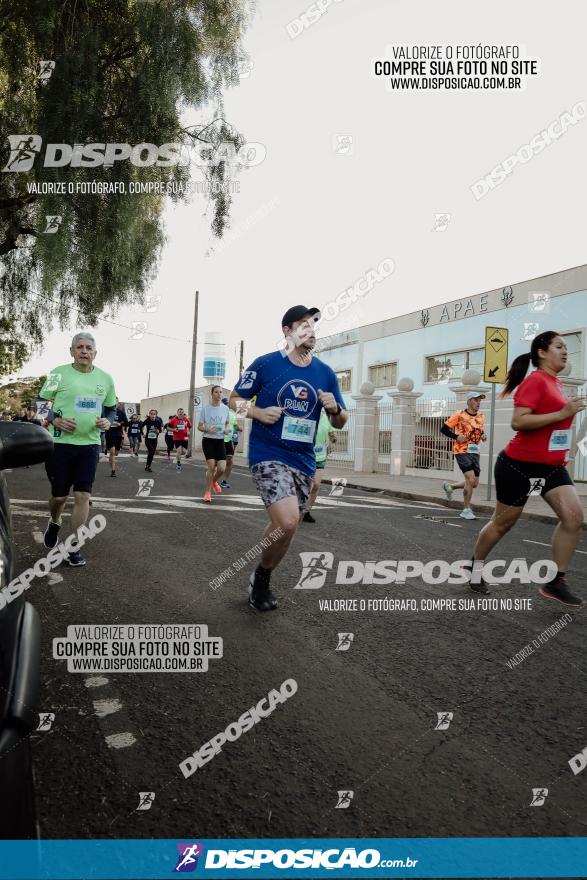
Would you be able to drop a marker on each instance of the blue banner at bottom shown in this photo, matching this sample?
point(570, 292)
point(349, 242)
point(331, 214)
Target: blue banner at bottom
point(376, 857)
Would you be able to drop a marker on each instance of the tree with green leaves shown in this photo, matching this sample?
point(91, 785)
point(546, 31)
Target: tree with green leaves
point(13, 352)
point(103, 72)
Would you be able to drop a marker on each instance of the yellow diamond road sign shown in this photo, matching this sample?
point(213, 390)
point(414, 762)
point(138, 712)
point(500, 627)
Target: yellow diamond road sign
point(496, 354)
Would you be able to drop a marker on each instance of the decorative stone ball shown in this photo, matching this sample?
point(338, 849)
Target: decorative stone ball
point(367, 388)
point(405, 384)
point(471, 377)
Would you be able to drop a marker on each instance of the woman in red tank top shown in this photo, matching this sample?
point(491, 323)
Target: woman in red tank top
point(535, 461)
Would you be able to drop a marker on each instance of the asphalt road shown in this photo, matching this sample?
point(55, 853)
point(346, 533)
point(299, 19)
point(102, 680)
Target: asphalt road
point(362, 719)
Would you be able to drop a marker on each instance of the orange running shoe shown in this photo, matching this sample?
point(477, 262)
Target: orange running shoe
point(207, 497)
point(216, 488)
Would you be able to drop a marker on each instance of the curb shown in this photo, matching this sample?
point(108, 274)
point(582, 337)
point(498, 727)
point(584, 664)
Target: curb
point(549, 519)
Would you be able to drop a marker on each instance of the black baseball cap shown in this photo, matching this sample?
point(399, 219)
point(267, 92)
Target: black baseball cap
point(296, 313)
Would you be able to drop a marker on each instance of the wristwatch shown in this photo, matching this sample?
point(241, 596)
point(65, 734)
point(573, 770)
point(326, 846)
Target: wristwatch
point(338, 410)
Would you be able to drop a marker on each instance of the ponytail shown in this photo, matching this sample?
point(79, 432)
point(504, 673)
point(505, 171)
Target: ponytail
point(519, 367)
point(516, 374)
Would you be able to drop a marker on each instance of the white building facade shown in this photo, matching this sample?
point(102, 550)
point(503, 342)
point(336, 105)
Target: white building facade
point(435, 346)
point(403, 376)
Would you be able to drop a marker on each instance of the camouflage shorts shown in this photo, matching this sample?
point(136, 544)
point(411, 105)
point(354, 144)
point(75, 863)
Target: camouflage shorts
point(275, 480)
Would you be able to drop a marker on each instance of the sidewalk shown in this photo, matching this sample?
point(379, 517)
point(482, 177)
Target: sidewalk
point(430, 489)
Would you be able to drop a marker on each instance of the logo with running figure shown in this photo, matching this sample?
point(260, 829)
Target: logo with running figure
point(444, 719)
point(189, 853)
point(23, 150)
point(344, 799)
point(297, 399)
point(315, 567)
point(247, 379)
point(536, 486)
point(539, 796)
point(52, 382)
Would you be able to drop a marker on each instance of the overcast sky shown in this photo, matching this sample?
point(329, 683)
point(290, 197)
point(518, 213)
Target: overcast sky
point(331, 215)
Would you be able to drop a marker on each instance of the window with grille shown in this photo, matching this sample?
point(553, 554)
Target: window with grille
point(344, 379)
point(574, 343)
point(383, 375)
point(449, 367)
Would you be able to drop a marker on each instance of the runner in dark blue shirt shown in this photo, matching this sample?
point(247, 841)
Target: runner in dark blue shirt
point(134, 434)
point(291, 388)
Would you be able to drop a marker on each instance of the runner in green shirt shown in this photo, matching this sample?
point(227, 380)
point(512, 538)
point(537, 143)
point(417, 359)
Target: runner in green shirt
point(83, 404)
point(324, 436)
point(230, 443)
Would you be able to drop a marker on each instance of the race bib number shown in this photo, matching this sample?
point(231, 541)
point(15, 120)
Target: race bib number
point(151, 434)
point(180, 426)
point(301, 430)
point(87, 404)
point(560, 440)
point(473, 447)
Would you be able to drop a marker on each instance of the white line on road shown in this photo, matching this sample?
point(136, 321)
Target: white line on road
point(54, 578)
point(227, 503)
point(387, 502)
point(38, 536)
point(107, 707)
point(544, 544)
point(95, 681)
point(120, 740)
point(22, 511)
point(438, 520)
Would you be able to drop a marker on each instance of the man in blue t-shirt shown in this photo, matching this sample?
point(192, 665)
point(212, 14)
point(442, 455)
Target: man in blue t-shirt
point(291, 388)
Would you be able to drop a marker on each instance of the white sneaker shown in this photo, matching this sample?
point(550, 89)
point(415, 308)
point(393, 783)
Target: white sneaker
point(467, 513)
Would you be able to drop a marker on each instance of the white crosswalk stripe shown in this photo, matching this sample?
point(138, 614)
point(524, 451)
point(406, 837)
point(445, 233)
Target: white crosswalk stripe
point(228, 501)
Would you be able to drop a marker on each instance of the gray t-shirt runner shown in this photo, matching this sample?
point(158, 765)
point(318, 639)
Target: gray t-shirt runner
point(216, 416)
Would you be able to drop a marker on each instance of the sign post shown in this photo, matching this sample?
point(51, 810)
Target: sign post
point(495, 369)
point(193, 375)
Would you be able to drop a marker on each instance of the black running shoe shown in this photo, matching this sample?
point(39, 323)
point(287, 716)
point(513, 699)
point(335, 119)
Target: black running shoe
point(260, 596)
point(308, 517)
point(559, 591)
point(149, 469)
point(480, 586)
point(113, 474)
point(75, 559)
point(51, 535)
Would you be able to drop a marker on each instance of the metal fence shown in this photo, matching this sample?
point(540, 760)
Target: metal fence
point(342, 454)
point(385, 413)
point(429, 448)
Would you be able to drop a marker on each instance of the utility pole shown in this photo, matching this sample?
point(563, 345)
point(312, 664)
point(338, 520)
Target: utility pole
point(241, 362)
point(193, 377)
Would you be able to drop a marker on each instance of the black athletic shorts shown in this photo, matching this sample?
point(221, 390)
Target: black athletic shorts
point(72, 465)
point(515, 479)
point(178, 443)
point(229, 447)
point(113, 439)
point(213, 449)
point(469, 461)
